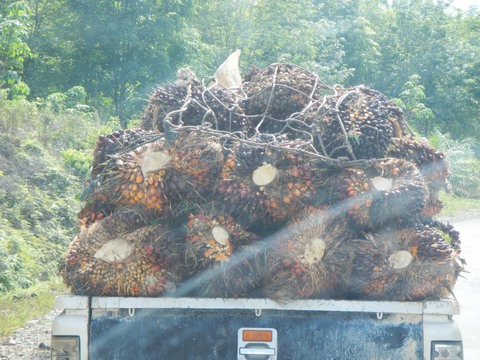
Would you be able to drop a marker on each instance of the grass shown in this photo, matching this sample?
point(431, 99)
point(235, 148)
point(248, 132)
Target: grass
point(456, 206)
point(17, 307)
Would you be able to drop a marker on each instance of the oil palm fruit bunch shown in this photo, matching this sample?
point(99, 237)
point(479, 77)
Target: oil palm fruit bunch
point(438, 263)
point(447, 231)
point(165, 99)
point(307, 259)
point(188, 102)
point(98, 259)
point(116, 142)
point(278, 91)
point(376, 267)
point(158, 176)
point(358, 123)
point(196, 160)
point(432, 165)
point(402, 264)
point(398, 189)
point(431, 162)
point(219, 254)
point(267, 182)
point(144, 262)
point(138, 178)
point(350, 193)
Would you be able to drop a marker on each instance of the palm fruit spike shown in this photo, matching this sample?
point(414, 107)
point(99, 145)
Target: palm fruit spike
point(431, 162)
point(276, 92)
point(116, 142)
point(94, 211)
point(350, 194)
point(307, 260)
point(144, 262)
point(219, 255)
point(399, 191)
point(268, 182)
point(196, 161)
point(189, 103)
point(402, 264)
point(137, 178)
point(357, 123)
point(447, 231)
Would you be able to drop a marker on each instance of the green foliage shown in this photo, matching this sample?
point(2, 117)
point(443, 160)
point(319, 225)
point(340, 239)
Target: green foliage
point(78, 162)
point(73, 98)
point(37, 189)
point(458, 207)
point(16, 116)
point(116, 50)
point(465, 168)
point(14, 50)
point(267, 32)
point(38, 219)
point(424, 38)
point(411, 101)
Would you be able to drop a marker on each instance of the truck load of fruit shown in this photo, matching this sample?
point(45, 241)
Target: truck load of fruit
point(277, 186)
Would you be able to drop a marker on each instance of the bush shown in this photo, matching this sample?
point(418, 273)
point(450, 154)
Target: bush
point(78, 162)
point(465, 168)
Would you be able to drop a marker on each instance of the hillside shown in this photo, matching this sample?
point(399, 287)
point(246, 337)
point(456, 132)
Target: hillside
point(44, 159)
point(38, 213)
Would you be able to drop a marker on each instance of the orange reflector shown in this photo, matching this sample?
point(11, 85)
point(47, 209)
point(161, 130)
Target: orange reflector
point(257, 335)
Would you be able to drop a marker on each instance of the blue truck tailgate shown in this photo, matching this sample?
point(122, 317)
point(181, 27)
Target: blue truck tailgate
point(208, 329)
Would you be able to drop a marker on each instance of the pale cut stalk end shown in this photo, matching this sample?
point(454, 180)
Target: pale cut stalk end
point(154, 161)
point(314, 251)
point(220, 235)
point(400, 260)
point(264, 174)
point(115, 250)
point(381, 183)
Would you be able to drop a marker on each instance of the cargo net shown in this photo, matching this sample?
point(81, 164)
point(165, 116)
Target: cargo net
point(284, 101)
point(283, 187)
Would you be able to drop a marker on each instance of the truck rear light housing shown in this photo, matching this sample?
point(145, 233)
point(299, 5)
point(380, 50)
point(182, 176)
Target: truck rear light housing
point(447, 350)
point(257, 344)
point(65, 348)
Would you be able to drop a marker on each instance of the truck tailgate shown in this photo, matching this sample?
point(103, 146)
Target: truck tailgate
point(208, 328)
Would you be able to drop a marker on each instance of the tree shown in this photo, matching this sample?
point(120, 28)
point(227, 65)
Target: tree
point(270, 31)
point(54, 38)
point(297, 32)
point(127, 46)
point(117, 50)
point(14, 49)
point(411, 101)
point(420, 37)
point(457, 91)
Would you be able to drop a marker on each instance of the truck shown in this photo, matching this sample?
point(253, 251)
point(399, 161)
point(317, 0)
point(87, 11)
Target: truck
point(223, 166)
point(121, 328)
